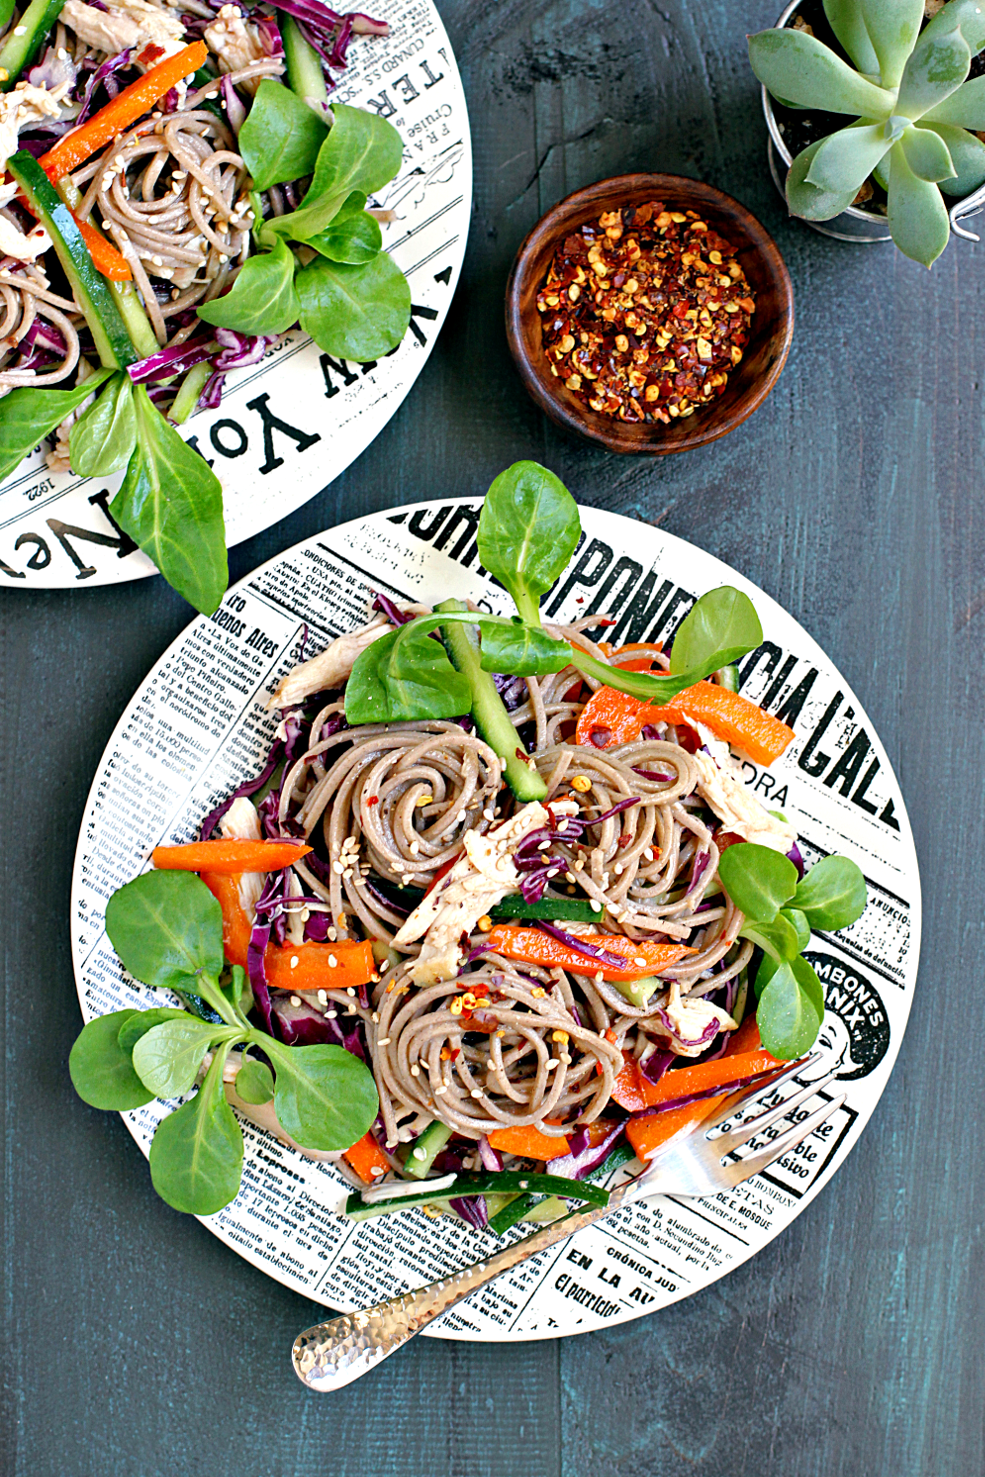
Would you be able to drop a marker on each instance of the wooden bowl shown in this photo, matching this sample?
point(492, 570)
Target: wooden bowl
point(748, 384)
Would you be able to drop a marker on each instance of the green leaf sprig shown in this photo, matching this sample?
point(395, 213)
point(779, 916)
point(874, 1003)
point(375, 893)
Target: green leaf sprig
point(780, 912)
point(528, 531)
point(352, 298)
point(166, 928)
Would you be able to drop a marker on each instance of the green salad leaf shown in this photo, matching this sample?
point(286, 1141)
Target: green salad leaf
point(30, 415)
point(196, 1156)
point(262, 299)
point(281, 136)
point(171, 505)
point(101, 1070)
point(352, 236)
point(528, 530)
point(355, 312)
point(103, 437)
point(323, 1096)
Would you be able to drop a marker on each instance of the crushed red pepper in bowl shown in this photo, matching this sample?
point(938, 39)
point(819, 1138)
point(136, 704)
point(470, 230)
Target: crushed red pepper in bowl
point(645, 312)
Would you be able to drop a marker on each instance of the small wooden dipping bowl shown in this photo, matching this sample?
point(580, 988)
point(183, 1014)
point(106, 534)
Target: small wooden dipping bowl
point(749, 382)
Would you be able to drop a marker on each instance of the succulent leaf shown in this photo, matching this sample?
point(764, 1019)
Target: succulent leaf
point(918, 219)
point(893, 27)
point(845, 159)
point(927, 155)
point(845, 19)
point(964, 108)
point(793, 65)
point(967, 15)
point(811, 202)
point(967, 155)
point(937, 68)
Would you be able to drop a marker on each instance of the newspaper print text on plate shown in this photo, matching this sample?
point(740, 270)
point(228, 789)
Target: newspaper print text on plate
point(288, 426)
point(198, 726)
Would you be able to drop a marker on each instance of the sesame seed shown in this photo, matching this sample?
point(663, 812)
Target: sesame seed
point(376, 1017)
point(476, 1092)
point(377, 1169)
point(323, 997)
point(383, 1041)
point(420, 1153)
point(295, 961)
point(597, 906)
point(349, 988)
point(565, 1059)
point(331, 1014)
point(295, 999)
point(440, 1091)
point(415, 1071)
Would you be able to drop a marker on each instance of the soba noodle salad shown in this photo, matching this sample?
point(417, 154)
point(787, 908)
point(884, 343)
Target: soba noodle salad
point(176, 193)
point(507, 878)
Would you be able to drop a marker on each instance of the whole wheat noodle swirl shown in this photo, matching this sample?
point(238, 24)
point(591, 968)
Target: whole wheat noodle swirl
point(397, 801)
point(173, 194)
point(533, 1060)
point(24, 297)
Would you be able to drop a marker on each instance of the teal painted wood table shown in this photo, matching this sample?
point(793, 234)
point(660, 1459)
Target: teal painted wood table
point(136, 1345)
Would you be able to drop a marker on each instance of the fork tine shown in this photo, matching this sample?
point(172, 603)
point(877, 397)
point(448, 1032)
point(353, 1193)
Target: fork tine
point(729, 1142)
point(744, 1169)
point(745, 1094)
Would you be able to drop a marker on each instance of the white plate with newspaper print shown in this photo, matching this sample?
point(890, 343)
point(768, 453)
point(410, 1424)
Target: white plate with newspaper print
point(290, 425)
point(197, 727)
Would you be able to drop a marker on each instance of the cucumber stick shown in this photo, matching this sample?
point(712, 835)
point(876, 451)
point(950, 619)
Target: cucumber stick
point(488, 709)
point(426, 1148)
point(142, 336)
point(92, 292)
point(17, 51)
point(304, 69)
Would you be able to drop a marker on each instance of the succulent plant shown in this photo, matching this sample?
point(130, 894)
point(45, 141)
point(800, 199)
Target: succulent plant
point(911, 104)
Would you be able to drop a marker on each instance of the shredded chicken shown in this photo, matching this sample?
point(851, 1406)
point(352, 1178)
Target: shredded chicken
point(242, 823)
point(235, 42)
point(331, 667)
point(481, 878)
point(23, 105)
point(23, 248)
point(689, 1019)
point(736, 806)
point(126, 24)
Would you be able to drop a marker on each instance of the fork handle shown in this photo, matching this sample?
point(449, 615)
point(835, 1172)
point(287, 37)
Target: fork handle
point(330, 1355)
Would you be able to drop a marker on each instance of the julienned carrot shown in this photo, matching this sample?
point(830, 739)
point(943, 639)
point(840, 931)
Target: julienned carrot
point(529, 1142)
point(731, 717)
point(533, 946)
point(364, 1156)
point(743, 1057)
point(612, 717)
point(236, 928)
point(647, 1134)
point(298, 967)
point(232, 857)
point(75, 148)
point(106, 259)
point(347, 964)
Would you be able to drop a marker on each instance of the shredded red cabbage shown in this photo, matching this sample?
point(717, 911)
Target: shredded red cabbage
point(584, 1156)
point(795, 855)
point(695, 1097)
point(175, 360)
point(656, 1065)
point(489, 1157)
point(393, 613)
point(709, 1033)
point(581, 946)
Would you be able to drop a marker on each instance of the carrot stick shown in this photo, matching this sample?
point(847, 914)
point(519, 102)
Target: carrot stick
point(105, 258)
point(612, 717)
point(647, 1134)
point(529, 1142)
point(533, 946)
point(731, 717)
point(364, 1156)
point(744, 1056)
point(232, 857)
point(75, 148)
point(236, 928)
point(353, 964)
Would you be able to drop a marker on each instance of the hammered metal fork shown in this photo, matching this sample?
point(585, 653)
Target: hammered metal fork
point(330, 1355)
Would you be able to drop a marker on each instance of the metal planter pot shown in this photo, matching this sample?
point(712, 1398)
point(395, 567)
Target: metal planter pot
point(864, 227)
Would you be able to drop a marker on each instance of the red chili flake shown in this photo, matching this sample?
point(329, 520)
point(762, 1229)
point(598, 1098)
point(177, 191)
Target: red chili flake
point(647, 313)
point(150, 54)
point(373, 800)
point(623, 841)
